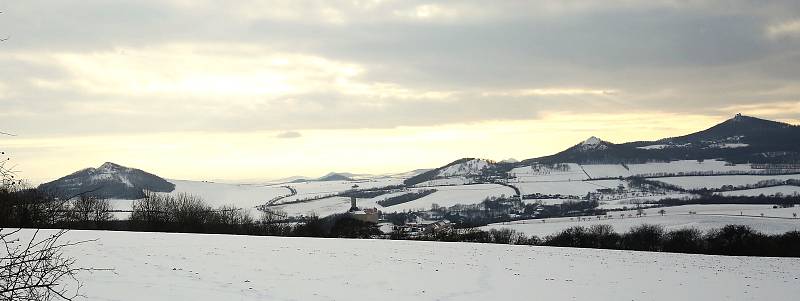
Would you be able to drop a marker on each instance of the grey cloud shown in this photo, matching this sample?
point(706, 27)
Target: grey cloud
point(691, 57)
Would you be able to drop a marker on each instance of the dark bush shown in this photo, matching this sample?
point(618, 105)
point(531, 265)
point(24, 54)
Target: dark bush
point(348, 227)
point(603, 237)
point(643, 238)
point(787, 244)
point(737, 240)
point(683, 241)
point(576, 236)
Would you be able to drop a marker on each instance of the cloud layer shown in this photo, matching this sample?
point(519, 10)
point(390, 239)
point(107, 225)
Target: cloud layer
point(99, 68)
point(217, 65)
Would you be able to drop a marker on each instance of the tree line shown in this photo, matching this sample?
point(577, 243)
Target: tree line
point(737, 240)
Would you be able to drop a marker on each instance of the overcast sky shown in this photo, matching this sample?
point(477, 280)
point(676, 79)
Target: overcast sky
point(240, 90)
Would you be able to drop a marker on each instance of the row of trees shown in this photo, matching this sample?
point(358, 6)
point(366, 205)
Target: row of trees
point(729, 240)
point(31, 208)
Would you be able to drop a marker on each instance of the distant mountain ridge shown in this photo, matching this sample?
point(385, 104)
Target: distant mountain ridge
point(741, 139)
point(110, 180)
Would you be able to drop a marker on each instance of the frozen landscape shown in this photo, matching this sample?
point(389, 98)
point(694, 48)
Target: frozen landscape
point(222, 267)
point(604, 150)
point(570, 181)
point(703, 217)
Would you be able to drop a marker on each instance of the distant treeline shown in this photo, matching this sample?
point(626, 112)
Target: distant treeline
point(183, 213)
point(729, 240)
point(405, 198)
point(30, 208)
point(715, 199)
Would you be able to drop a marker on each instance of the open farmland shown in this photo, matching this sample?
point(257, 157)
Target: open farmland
point(775, 221)
point(222, 267)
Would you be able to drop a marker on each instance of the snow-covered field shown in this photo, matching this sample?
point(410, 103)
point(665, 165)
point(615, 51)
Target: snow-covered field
point(594, 171)
point(323, 207)
point(239, 195)
point(314, 189)
point(219, 267)
point(566, 179)
point(719, 181)
point(785, 190)
point(708, 217)
point(447, 196)
point(576, 188)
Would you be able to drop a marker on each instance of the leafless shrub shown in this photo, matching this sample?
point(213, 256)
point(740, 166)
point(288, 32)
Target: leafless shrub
point(36, 268)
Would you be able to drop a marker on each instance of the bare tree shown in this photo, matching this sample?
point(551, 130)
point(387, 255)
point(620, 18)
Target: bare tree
point(89, 209)
point(36, 268)
point(33, 266)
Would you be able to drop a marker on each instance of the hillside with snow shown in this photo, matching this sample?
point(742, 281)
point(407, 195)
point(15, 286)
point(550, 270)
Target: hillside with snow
point(108, 181)
point(466, 168)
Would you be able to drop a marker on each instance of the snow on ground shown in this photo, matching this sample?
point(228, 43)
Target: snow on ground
point(655, 146)
point(321, 208)
point(719, 181)
point(630, 202)
point(447, 196)
point(767, 191)
point(240, 195)
point(728, 145)
point(314, 189)
point(687, 166)
point(707, 217)
point(606, 171)
point(537, 173)
point(124, 205)
point(445, 182)
point(201, 267)
point(576, 188)
point(471, 167)
point(542, 173)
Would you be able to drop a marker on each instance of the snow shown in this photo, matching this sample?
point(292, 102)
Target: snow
point(632, 201)
point(593, 143)
point(315, 189)
point(200, 267)
point(322, 207)
point(239, 195)
point(707, 217)
point(583, 172)
point(447, 196)
point(606, 171)
point(445, 182)
point(574, 188)
point(719, 181)
point(471, 167)
point(687, 166)
point(540, 173)
point(655, 146)
point(728, 145)
point(767, 191)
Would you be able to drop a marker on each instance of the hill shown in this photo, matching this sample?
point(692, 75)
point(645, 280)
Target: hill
point(108, 181)
point(741, 139)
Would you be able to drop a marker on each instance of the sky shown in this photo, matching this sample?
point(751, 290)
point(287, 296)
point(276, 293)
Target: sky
point(255, 90)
